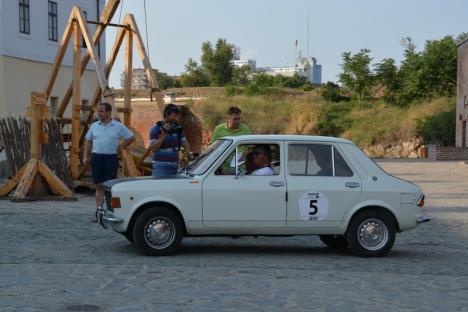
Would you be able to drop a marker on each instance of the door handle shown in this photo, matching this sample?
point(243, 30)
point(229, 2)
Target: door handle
point(277, 183)
point(352, 184)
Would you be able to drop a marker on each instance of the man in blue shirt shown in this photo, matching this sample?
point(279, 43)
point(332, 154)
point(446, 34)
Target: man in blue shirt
point(103, 138)
point(166, 138)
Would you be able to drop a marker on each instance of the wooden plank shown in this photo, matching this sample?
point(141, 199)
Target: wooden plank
point(128, 68)
point(129, 165)
point(11, 184)
point(107, 14)
point(92, 52)
point(76, 102)
point(26, 180)
point(57, 185)
point(146, 64)
point(59, 57)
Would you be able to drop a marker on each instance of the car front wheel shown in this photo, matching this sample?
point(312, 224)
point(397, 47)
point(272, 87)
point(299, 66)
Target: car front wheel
point(371, 233)
point(158, 232)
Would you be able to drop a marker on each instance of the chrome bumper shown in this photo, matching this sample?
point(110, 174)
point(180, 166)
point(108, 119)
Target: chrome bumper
point(423, 219)
point(105, 218)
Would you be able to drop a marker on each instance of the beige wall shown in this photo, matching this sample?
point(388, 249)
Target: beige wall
point(18, 78)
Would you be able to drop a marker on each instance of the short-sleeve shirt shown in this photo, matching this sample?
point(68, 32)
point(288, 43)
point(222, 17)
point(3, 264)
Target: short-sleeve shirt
point(222, 130)
point(169, 149)
point(265, 171)
point(106, 138)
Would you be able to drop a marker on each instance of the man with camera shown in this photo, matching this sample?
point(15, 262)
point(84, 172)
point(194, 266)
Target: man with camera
point(166, 139)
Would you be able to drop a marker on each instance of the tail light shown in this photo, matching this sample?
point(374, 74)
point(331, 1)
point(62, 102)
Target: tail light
point(421, 200)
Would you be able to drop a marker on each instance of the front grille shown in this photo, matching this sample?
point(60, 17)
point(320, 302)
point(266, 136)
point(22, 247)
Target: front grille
point(108, 195)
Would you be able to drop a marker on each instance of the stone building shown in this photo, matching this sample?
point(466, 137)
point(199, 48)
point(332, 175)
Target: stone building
point(30, 34)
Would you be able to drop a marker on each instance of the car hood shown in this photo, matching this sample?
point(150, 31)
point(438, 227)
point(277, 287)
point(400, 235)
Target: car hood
point(109, 184)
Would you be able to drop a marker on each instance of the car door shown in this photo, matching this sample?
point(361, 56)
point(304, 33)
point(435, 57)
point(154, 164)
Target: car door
point(243, 200)
point(322, 185)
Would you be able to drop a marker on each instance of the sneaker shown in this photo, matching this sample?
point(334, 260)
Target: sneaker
point(95, 219)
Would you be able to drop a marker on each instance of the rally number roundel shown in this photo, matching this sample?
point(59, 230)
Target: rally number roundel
point(313, 206)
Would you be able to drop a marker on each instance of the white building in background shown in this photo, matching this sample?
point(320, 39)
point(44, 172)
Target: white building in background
point(252, 64)
point(305, 67)
point(30, 34)
point(139, 79)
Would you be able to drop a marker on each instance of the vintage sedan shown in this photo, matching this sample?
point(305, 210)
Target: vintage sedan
point(261, 185)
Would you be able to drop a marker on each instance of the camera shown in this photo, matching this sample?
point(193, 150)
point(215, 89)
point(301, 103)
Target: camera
point(170, 127)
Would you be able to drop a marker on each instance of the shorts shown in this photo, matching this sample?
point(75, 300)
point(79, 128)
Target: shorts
point(104, 167)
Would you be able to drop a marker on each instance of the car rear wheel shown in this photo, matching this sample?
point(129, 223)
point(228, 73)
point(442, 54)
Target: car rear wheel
point(371, 233)
point(334, 241)
point(158, 232)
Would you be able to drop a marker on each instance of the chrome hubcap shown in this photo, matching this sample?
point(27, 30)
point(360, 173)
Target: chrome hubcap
point(159, 232)
point(372, 234)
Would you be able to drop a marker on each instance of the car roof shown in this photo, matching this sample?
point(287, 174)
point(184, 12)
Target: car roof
point(286, 137)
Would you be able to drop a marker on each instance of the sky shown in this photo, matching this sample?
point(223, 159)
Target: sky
point(266, 30)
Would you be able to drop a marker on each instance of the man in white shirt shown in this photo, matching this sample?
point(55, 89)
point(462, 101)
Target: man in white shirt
point(262, 160)
point(103, 138)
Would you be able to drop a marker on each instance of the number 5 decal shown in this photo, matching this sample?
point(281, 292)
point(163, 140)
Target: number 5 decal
point(313, 206)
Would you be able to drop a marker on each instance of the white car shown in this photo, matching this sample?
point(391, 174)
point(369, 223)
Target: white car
point(315, 185)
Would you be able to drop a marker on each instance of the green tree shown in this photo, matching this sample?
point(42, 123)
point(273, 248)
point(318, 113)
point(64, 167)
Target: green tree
point(439, 67)
point(194, 75)
point(356, 73)
point(241, 75)
point(165, 81)
point(331, 92)
point(386, 74)
point(216, 62)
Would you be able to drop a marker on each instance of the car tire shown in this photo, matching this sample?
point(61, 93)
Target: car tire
point(334, 241)
point(129, 236)
point(158, 232)
point(371, 233)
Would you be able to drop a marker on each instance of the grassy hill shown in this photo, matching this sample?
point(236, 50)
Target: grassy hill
point(367, 124)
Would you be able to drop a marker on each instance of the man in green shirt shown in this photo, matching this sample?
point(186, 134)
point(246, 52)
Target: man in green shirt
point(232, 127)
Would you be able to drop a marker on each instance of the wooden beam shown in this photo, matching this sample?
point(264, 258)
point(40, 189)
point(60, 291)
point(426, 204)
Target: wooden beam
point(76, 102)
point(110, 63)
point(57, 185)
point(59, 57)
point(92, 52)
point(146, 63)
point(128, 72)
point(26, 180)
point(11, 184)
point(130, 168)
point(107, 14)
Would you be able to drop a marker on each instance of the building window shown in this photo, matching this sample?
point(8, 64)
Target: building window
point(24, 26)
point(53, 32)
point(83, 44)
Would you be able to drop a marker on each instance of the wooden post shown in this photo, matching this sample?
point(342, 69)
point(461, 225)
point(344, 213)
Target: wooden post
point(76, 102)
point(128, 76)
point(146, 63)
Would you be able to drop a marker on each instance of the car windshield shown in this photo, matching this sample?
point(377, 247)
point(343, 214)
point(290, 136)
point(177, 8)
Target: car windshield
point(204, 161)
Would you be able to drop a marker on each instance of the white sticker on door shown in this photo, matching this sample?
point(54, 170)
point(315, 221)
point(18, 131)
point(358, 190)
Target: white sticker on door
point(313, 206)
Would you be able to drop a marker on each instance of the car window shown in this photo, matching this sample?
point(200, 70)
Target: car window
point(316, 160)
point(253, 159)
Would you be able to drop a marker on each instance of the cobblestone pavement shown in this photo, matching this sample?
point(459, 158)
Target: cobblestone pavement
point(53, 259)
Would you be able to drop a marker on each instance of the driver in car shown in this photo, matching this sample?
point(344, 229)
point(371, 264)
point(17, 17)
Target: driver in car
point(262, 160)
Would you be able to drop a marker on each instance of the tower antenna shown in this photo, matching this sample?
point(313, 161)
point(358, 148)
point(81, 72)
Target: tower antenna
point(308, 36)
